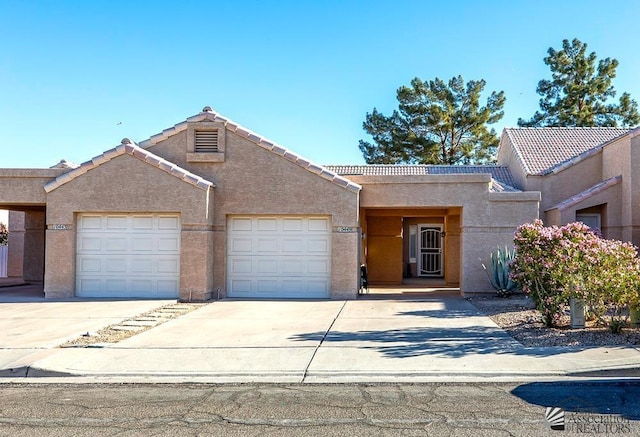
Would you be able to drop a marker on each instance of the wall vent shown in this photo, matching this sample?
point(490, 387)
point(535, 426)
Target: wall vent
point(206, 141)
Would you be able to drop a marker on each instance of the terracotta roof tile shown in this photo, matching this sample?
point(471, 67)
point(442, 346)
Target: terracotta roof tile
point(539, 150)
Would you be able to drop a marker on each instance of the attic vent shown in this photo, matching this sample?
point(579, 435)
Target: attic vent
point(206, 141)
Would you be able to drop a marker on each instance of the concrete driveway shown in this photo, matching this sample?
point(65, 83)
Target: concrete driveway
point(431, 337)
point(30, 327)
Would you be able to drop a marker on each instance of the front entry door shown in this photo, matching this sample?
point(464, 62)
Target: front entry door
point(430, 251)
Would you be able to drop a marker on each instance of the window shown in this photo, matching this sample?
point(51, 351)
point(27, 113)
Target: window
point(593, 220)
point(413, 240)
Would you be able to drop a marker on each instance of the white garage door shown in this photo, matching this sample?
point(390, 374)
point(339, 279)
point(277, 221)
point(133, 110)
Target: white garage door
point(128, 255)
point(279, 257)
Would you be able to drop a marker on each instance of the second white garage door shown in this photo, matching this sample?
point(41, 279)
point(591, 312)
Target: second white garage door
point(128, 255)
point(279, 257)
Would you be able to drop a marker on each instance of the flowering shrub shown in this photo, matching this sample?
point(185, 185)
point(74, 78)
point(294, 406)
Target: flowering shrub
point(554, 264)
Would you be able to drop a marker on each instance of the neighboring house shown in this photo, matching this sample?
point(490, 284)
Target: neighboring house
point(208, 209)
point(583, 174)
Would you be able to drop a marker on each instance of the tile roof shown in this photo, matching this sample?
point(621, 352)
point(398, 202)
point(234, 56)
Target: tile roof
point(127, 146)
point(208, 114)
point(500, 174)
point(541, 149)
point(589, 192)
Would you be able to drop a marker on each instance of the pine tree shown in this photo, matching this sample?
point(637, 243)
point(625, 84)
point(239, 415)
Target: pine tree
point(579, 93)
point(435, 123)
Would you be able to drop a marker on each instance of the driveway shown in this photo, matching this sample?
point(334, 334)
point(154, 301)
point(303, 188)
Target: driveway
point(32, 325)
point(419, 339)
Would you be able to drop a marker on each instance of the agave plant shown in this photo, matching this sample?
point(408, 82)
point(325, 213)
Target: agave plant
point(499, 274)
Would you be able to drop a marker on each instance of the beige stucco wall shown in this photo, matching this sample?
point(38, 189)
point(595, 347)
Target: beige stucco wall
point(25, 187)
point(611, 218)
point(255, 181)
point(128, 185)
point(632, 184)
point(507, 157)
point(556, 187)
point(487, 219)
point(618, 203)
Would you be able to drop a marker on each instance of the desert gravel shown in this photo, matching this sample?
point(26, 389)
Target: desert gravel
point(519, 318)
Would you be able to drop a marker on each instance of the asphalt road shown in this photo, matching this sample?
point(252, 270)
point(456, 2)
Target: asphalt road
point(439, 409)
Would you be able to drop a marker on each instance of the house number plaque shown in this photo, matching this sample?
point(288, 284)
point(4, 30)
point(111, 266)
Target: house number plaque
point(60, 227)
point(345, 229)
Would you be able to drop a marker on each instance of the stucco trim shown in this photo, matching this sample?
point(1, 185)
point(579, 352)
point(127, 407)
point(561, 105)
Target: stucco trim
point(584, 195)
point(130, 148)
point(209, 115)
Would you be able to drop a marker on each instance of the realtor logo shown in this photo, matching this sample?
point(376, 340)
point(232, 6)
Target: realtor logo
point(555, 418)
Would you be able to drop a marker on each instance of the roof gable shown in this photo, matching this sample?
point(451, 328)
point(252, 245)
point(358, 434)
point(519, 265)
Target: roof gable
point(208, 114)
point(539, 150)
point(130, 148)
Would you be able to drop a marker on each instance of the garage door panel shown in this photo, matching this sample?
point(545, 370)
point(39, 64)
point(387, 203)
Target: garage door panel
point(275, 257)
point(240, 224)
point(169, 223)
point(168, 265)
point(267, 224)
point(318, 286)
point(292, 246)
point(118, 223)
point(167, 288)
point(142, 223)
point(318, 246)
point(240, 265)
point(141, 286)
point(115, 265)
point(90, 265)
point(266, 266)
point(241, 245)
point(294, 224)
point(142, 244)
point(90, 244)
point(168, 244)
point(135, 255)
point(318, 266)
point(90, 222)
point(293, 267)
point(90, 285)
point(114, 244)
point(141, 266)
point(267, 245)
point(319, 224)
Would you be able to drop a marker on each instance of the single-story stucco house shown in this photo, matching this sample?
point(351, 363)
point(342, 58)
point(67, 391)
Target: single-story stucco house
point(209, 209)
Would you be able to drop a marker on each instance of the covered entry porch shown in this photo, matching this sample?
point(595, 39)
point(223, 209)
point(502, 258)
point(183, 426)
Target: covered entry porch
point(417, 247)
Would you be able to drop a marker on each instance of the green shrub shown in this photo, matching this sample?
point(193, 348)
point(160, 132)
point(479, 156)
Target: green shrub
point(499, 273)
point(554, 264)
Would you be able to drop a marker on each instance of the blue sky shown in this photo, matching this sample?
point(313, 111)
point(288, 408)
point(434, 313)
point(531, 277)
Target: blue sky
point(78, 76)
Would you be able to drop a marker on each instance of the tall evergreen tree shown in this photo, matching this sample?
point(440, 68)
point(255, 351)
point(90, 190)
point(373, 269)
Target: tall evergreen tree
point(435, 123)
point(579, 93)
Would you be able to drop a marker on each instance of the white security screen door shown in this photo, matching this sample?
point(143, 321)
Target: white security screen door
point(430, 250)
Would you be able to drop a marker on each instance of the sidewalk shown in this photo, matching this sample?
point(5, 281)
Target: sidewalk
point(423, 339)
